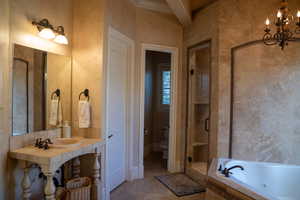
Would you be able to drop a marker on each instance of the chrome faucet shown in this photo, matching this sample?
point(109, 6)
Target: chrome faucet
point(43, 144)
point(226, 171)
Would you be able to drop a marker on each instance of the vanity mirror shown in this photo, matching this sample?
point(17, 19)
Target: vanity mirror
point(41, 90)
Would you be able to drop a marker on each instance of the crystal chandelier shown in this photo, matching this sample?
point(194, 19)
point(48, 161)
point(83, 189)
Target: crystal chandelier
point(286, 27)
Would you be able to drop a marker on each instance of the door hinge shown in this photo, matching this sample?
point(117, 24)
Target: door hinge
point(192, 72)
point(190, 159)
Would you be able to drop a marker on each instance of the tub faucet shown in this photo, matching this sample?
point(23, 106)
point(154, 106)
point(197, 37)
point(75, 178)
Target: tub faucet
point(226, 171)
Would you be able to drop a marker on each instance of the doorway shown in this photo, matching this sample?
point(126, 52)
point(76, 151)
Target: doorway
point(199, 106)
point(157, 111)
point(169, 127)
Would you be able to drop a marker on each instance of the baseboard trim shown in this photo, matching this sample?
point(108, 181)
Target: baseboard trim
point(178, 167)
point(141, 171)
point(105, 194)
point(134, 173)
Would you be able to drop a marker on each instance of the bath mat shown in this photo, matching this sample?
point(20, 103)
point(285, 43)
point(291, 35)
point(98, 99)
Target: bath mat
point(180, 184)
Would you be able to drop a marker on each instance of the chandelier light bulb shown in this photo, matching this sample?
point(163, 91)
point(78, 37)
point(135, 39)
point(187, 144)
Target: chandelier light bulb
point(279, 14)
point(285, 30)
point(268, 22)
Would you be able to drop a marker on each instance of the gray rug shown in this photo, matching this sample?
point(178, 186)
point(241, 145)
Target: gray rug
point(180, 184)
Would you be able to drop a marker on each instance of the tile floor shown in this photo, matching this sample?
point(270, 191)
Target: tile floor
point(149, 188)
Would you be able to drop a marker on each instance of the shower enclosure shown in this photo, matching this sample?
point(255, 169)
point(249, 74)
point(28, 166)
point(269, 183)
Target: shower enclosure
point(198, 120)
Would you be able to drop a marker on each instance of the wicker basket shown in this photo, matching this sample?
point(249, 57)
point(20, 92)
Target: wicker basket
point(79, 189)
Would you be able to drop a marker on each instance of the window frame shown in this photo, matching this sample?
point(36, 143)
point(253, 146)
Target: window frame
point(163, 88)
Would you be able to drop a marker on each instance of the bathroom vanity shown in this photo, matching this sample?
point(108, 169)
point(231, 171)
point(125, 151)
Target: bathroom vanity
point(41, 104)
point(52, 159)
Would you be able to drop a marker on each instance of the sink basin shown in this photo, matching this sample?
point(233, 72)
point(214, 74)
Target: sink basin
point(65, 142)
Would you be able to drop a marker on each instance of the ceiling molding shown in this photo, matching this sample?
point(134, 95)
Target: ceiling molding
point(154, 5)
point(202, 7)
point(181, 8)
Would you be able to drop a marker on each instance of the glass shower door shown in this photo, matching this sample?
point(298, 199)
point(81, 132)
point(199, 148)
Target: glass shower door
point(198, 110)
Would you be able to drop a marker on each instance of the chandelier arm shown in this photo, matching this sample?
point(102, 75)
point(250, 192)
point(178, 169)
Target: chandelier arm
point(269, 39)
point(284, 31)
point(297, 30)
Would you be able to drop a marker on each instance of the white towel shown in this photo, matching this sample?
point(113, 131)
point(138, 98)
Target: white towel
point(84, 114)
point(55, 118)
point(60, 115)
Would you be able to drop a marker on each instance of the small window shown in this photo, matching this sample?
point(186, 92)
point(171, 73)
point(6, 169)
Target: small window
point(166, 87)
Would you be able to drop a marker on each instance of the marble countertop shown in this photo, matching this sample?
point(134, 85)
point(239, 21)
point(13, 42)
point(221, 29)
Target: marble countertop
point(54, 157)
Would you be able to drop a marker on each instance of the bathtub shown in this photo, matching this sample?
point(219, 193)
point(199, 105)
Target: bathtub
point(261, 180)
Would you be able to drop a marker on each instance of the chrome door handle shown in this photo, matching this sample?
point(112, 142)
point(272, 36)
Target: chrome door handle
point(110, 136)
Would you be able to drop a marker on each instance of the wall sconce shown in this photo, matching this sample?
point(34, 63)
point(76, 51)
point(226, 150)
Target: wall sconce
point(47, 31)
point(61, 37)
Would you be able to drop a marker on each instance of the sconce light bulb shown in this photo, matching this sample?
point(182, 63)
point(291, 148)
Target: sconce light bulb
point(47, 33)
point(268, 22)
point(279, 14)
point(61, 39)
point(298, 14)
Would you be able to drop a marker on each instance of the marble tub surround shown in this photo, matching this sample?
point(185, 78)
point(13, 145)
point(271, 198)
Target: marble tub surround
point(227, 188)
point(53, 158)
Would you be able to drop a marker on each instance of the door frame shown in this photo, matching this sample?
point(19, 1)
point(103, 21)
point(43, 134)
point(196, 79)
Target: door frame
point(129, 115)
point(199, 45)
point(173, 165)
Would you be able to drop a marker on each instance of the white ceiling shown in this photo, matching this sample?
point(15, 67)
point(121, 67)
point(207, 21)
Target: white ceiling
point(156, 5)
point(183, 9)
point(162, 5)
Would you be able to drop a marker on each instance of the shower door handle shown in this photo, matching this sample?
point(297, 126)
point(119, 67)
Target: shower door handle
point(207, 124)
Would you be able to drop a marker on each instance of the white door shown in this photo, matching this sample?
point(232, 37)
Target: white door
point(116, 126)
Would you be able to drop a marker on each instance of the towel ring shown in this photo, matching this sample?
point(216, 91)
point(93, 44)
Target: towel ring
point(86, 93)
point(56, 93)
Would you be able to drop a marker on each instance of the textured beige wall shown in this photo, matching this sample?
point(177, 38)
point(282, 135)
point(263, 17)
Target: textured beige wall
point(235, 32)
point(266, 104)
point(89, 30)
point(121, 15)
point(4, 100)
